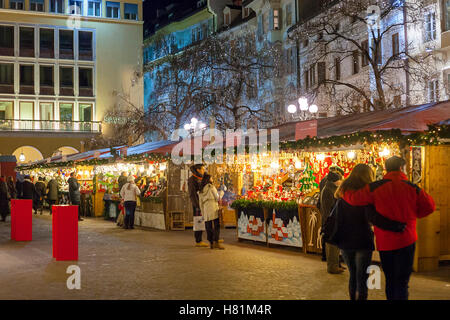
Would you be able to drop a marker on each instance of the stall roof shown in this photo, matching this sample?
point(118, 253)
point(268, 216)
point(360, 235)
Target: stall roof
point(163, 146)
point(409, 119)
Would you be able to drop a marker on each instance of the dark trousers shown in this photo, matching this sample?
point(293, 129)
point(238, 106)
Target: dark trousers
point(51, 204)
point(357, 262)
point(77, 203)
point(397, 267)
point(130, 207)
point(197, 234)
point(212, 230)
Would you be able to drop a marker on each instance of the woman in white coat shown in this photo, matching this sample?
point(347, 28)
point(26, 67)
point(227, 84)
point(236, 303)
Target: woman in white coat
point(209, 207)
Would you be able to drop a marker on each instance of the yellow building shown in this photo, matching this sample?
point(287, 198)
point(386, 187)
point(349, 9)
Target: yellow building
point(63, 64)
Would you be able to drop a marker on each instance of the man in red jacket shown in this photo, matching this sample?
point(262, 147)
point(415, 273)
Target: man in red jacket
point(398, 199)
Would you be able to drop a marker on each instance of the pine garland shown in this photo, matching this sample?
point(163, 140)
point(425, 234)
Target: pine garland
point(242, 204)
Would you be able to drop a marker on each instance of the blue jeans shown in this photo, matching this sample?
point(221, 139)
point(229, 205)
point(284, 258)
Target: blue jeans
point(130, 207)
point(357, 262)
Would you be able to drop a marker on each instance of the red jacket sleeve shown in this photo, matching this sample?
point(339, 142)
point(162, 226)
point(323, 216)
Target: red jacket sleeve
point(425, 204)
point(361, 197)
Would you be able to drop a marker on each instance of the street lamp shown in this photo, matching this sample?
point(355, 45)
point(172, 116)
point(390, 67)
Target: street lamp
point(303, 103)
point(22, 157)
point(303, 106)
point(292, 108)
point(313, 108)
point(194, 125)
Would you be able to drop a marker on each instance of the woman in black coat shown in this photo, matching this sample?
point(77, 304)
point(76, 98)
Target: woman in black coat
point(354, 234)
point(27, 188)
point(11, 188)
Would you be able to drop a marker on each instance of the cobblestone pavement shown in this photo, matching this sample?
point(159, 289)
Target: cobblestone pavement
point(148, 264)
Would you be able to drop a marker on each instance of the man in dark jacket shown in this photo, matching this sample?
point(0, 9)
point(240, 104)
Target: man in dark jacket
point(122, 180)
point(194, 182)
point(74, 193)
point(39, 192)
point(52, 193)
point(4, 199)
point(397, 199)
point(328, 201)
point(27, 188)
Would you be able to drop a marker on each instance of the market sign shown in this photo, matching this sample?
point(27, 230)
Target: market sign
point(305, 128)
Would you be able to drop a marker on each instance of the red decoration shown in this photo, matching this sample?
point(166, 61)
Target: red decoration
point(21, 220)
point(65, 233)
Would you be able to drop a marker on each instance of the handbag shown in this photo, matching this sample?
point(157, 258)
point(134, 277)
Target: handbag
point(331, 227)
point(199, 223)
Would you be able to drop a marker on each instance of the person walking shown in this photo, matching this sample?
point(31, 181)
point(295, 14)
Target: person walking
point(129, 193)
point(209, 207)
point(194, 183)
point(354, 232)
point(122, 180)
point(52, 193)
point(27, 188)
point(39, 192)
point(19, 185)
point(4, 199)
point(398, 199)
point(11, 187)
point(322, 185)
point(74, 193)
point(328, 201)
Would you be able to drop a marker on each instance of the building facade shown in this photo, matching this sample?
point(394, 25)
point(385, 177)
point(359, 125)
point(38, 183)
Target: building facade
point(63, 65)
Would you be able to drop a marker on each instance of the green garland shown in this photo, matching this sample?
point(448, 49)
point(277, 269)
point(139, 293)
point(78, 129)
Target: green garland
point(241, 204)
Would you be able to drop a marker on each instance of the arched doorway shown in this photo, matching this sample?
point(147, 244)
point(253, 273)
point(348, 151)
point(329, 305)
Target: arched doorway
point(27, 154)
point(65, 151)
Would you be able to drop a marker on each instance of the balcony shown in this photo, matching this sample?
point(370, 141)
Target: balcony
point(50, 126)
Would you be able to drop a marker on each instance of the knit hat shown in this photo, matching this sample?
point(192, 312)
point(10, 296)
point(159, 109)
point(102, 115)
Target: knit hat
point(333, 177)
point(130, 179)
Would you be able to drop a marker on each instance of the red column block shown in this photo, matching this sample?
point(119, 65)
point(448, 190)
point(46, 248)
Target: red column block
point(65, 233)
point(21, 220)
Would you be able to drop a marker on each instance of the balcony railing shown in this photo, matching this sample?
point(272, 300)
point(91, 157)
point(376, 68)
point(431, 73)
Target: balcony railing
point(49, 125)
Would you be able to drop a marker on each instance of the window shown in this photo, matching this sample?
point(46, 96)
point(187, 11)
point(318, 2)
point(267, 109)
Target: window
point(113, 10)
point(46, 109)
point(246, 12)
point(57, 6)
point(36, 5)
point(6, 78)
point(433, 91)
point(395, 45)
point(76, 7)
point(131, 11)
point(288, 14)
point(355, 59)
point(312, 75)
point(85, 45)
point(66, 81)
point(305, 43)
point(321, 72)
point(27, 79)
point(46, 80)
point(430, 26)
point(26, 42)
point(65, 44)
point(447, 15)
point(16, 4)
point(85, 82)
point(265, 23)
point(306, 79)
point(65, 111)
point(364, 57)
point(94, 8)
point(85, 112)
point(337, 66)
point(290, 60)
point(276, 19)
point(6, 110)
point(377, 52)
point(26, 112)
point(46, 43)
point(226, 19)
point(6, 41)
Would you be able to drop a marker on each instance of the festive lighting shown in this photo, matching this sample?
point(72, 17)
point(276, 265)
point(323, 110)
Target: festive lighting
point(141, 169)
point(22, 157)
point(313, 108)
point(303, 102)
point(162, 166)
point(274, 165)
point(351, 155)
point(321, 157)
point(298, 164)
point(292, 108)
point(385, 153)
point(194, 121)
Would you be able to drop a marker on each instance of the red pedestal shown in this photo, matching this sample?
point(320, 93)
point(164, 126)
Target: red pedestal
point(21, 220)
point(65, 233)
